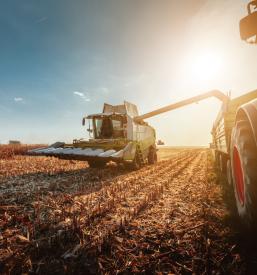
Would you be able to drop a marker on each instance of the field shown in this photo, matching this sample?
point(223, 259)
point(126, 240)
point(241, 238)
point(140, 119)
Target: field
point(61, 217)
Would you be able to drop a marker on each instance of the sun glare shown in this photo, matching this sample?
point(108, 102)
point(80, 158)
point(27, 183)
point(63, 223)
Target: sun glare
point(206, 66)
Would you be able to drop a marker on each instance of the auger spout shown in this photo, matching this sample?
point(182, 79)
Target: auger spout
point(214, 93)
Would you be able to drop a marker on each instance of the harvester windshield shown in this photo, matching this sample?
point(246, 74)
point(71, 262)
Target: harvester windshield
point(109, 127)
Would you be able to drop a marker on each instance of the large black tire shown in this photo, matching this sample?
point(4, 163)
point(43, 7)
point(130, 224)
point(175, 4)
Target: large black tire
point(243, 152)
point(152, 156)
point(135, 164)
point(96, 163)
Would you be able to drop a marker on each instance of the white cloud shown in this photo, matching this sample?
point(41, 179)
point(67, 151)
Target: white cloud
point(79, 94)
point(82, 95)
point(41, 19)
point(18, 99)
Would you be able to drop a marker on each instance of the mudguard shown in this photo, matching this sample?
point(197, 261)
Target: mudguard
point(249, 111)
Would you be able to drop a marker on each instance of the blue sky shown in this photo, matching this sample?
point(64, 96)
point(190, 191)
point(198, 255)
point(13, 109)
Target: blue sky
point(60, 60)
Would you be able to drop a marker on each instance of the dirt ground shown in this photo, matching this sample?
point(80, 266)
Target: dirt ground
point(175, 217)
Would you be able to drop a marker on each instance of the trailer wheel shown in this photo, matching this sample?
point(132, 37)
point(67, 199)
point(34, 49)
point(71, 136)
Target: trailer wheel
point(152, 156)
point(243, 153)
point(96, 164)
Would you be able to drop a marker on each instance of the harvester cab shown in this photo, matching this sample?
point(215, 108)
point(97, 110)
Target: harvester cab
point(112, 122)
point(110, 126)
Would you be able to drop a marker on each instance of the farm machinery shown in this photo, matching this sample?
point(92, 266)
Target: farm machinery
point(235, 146)
point(115, 136)
point(235, 138)
point(120, 134)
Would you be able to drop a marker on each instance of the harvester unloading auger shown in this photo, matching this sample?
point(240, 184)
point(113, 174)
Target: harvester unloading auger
point(120, 134)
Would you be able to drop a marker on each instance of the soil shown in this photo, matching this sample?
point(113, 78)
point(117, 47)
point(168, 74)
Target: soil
point(174, 217)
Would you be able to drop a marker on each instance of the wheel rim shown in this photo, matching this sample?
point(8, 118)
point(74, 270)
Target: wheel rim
point(239, 177)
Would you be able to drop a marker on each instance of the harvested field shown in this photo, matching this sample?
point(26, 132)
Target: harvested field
point(61, 217)
point(9, 151)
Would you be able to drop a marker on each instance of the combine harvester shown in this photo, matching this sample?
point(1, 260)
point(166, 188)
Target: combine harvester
point(115, 137)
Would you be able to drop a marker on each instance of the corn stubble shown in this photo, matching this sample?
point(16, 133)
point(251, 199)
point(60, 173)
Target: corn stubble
point(60, 217)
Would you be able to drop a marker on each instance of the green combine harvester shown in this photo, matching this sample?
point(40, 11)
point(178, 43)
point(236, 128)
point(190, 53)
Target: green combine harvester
point(115, 136)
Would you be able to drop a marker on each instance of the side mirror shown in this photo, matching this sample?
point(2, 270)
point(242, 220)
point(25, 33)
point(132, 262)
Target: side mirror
point(83, 121)
point(248, 25)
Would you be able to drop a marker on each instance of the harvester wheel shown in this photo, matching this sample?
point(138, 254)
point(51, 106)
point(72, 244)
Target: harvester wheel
point(152, 156)
point(96, 164)
point(243, 153)
point(136, 164)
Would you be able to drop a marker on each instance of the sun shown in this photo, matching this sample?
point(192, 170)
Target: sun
point(206, 66)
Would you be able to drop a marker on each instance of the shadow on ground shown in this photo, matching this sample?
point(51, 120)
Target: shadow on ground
point(245, 241)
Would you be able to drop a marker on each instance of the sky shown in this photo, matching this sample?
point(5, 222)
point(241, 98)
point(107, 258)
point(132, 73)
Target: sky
point(61, 60)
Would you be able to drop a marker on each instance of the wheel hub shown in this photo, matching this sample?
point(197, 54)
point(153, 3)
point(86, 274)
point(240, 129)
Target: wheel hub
point(239, 176)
